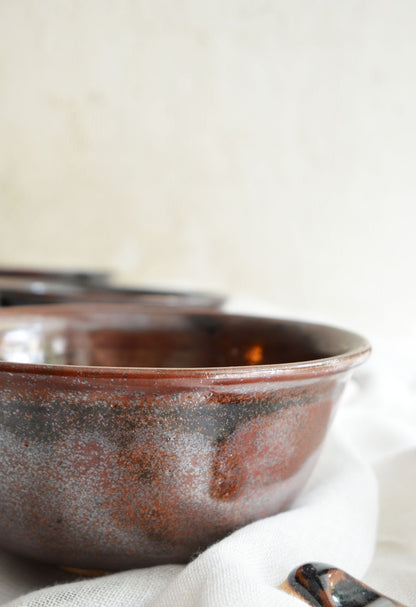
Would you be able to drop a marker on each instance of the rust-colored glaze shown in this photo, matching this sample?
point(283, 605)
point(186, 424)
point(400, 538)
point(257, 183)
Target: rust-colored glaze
point(105, 466)
point(322, 585)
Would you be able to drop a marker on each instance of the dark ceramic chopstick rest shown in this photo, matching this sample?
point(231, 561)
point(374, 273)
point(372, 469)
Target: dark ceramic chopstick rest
point(322, 585)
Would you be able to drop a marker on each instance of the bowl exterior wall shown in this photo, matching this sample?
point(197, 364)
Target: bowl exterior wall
point(111, 473)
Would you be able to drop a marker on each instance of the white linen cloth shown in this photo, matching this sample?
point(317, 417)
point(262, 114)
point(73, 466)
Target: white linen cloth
point(357, 512)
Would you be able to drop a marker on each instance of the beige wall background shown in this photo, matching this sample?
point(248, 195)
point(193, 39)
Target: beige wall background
point(259, 148)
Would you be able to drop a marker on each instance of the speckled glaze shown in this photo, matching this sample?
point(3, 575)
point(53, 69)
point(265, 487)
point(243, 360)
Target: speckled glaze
point(133, 436)
point(322, 585)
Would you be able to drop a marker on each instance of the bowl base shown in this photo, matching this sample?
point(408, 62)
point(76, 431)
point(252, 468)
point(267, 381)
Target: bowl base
point(86, 572)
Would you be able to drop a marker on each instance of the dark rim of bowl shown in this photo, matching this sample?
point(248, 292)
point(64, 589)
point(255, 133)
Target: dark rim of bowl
point(53, 274)
point(57, 292)
point(330, 365)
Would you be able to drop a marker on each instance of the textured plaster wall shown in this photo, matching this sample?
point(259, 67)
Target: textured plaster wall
point(250, 146)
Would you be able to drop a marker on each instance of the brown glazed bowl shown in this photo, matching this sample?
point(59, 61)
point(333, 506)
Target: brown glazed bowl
point(134, 436)
point(23, 291)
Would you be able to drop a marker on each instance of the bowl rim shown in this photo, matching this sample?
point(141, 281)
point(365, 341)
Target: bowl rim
point(67, 292)
point(330, 365)
point(52, 273)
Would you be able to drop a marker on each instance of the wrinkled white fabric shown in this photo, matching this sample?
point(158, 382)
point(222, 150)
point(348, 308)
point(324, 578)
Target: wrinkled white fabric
point(385, 392)
point(361, 498)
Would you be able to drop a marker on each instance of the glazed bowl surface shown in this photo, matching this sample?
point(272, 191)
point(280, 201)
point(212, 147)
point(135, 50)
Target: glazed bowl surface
point(134, 436)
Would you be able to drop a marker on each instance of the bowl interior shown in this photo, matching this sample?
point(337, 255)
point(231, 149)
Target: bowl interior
point(133, 337)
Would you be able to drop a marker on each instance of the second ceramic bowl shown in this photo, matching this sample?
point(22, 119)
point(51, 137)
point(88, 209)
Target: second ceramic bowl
point(23, 291)
point(46, 275)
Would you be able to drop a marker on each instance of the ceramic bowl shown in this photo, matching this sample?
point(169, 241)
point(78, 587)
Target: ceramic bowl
point(22, 291)
point(133, 436)
point(69, 277)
